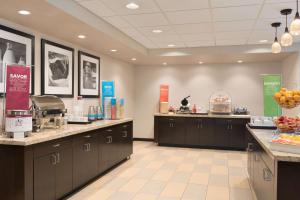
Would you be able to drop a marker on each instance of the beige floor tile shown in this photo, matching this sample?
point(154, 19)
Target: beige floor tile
point(163, 175)
point(121, 196)
point(240, 194)
point(153, 187)
point(220, 161)
point(128, 173)
point(155, 165)
point(145, 173)
point(194, 192)
point(219, 169)
point(235, 163)
point(102, 194)
point(237, 171)
point(176, 159)
point(133, 186)
point(217, 193)
point(181, 177)
point(145, 197)
point(239, 182)
point(173, 189)
point(218, 180)
point(199, 178)
point(169, 166)
point(185, 167)
point(205, 161)
point(115, 183)
point(202, 168)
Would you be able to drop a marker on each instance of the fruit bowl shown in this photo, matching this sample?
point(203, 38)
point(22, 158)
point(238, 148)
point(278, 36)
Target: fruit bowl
point(287, 124)
point(287, 98)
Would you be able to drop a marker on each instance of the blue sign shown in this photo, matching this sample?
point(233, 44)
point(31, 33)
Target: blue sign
point(108, 90)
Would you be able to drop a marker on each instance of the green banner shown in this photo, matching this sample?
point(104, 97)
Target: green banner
point(272, 84)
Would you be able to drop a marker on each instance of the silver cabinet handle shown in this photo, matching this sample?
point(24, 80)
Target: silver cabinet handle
point(111, 139)
point(198, 126)
point(87, 136)
point(56, 145)
point(58, 158)
point(53, 159)
point(227, 126)
point(108, 137)
point(250, 147)
point(124, 126)
point(267, 175)
point(201, 125)
point(108, 130)
point(125, 134)
point(231, 126)
point(86, 147)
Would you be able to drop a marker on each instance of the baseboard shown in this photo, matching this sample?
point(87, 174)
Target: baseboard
point(144, 139)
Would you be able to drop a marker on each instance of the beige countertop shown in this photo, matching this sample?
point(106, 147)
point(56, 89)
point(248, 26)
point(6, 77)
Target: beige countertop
point(67, 130)
point(207, 116)
point(264, 137)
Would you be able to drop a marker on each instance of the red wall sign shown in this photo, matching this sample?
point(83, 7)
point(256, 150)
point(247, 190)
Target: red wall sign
point(164, 93)
point(17, 87)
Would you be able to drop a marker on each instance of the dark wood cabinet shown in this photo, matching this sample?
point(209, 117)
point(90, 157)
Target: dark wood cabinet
point(126, 142)
point(53, 176)
point(172, 130)
point(201, 132)
point(85, 158)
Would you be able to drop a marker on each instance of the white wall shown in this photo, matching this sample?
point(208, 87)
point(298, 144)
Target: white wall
point(242, 81)
point(110, 69)
point(291, 78)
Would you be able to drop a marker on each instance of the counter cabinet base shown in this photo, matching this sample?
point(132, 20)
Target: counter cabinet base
point(201, 132)
point(45, 171)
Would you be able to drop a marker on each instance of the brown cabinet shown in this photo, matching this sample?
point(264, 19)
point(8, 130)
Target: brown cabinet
point(201, 131)
point(85, 152)
point(53, 176)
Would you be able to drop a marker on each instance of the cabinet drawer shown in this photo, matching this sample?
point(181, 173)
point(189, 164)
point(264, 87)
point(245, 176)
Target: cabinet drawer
point(52, 146)
point(91, 135)
point(269, 161)
point(126, 126)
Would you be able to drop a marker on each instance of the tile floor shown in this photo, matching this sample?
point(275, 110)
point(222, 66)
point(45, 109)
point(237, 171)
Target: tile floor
point(169, 173)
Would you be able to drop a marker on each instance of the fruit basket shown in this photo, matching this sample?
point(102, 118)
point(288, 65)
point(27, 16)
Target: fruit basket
point(287, 98)
point(287, 124)
point(220, 103)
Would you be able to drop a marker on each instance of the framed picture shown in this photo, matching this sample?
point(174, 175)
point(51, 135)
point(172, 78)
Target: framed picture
point(88, 75)
point(57, 69)
point(16, 47)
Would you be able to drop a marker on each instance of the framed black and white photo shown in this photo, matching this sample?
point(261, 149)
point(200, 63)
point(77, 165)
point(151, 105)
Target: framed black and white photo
point(16, 47)
point(88, 75)
point(57, 71)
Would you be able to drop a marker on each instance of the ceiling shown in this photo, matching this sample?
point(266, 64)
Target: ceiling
point(63, 20)
point(193, 23)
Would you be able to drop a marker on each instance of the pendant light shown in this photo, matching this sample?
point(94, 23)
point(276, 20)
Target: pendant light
point(276, 48)
point(295, 25)
point(286, 38)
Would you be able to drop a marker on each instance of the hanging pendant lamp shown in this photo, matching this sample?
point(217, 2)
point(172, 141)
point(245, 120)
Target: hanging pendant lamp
point(295, 25)
point(276, 48)
point(286, 38)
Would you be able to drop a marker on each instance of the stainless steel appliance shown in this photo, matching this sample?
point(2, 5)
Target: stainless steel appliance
point(47, 112)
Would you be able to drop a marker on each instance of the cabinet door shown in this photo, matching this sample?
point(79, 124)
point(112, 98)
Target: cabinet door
point(192, 133)
point(85, 159)
point(178, 131)
point(222, 131)
point(64, 176)
point(126, 140)
point(238, 133)
point(107, 152)
point(165, 130)
point(44, 177)
point(207, 131)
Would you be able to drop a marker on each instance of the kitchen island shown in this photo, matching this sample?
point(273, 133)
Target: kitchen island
point(273, 174)
point(204, 131)
point(54, 163)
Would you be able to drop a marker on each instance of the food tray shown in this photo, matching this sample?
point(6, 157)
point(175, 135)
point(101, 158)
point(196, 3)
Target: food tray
point(285, 147)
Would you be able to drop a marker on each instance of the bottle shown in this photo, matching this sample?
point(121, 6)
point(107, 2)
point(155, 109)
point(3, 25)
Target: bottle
point(113, 108)
point(194, 109)
point(91, 113)
point(8, 58)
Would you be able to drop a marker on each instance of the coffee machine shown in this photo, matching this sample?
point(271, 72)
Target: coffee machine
point(185, 106)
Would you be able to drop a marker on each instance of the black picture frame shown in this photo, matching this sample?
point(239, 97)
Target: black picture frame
point(80, 92)
point(32, 39)
point(45, 42)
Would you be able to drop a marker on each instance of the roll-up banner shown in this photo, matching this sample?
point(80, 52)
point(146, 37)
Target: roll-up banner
point(272, 84)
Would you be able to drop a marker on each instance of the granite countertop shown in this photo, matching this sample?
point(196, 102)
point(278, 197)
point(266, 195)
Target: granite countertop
point(207, 116)
point(67, 130)
point(264, 137)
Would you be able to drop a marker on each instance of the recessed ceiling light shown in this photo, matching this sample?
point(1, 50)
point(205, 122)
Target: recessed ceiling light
point(263, 41)
point(200, 62)
point(113, 50)
point(164, 63)
point(157, 31)
point(133, 59)
point(240, 61)
point(132, 6)
point(81, 36)
point(24, 12)
point(171, 45)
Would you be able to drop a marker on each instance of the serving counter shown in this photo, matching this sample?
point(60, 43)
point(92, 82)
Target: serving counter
point(54, 163)
point(208, 131)
point(273, 174)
